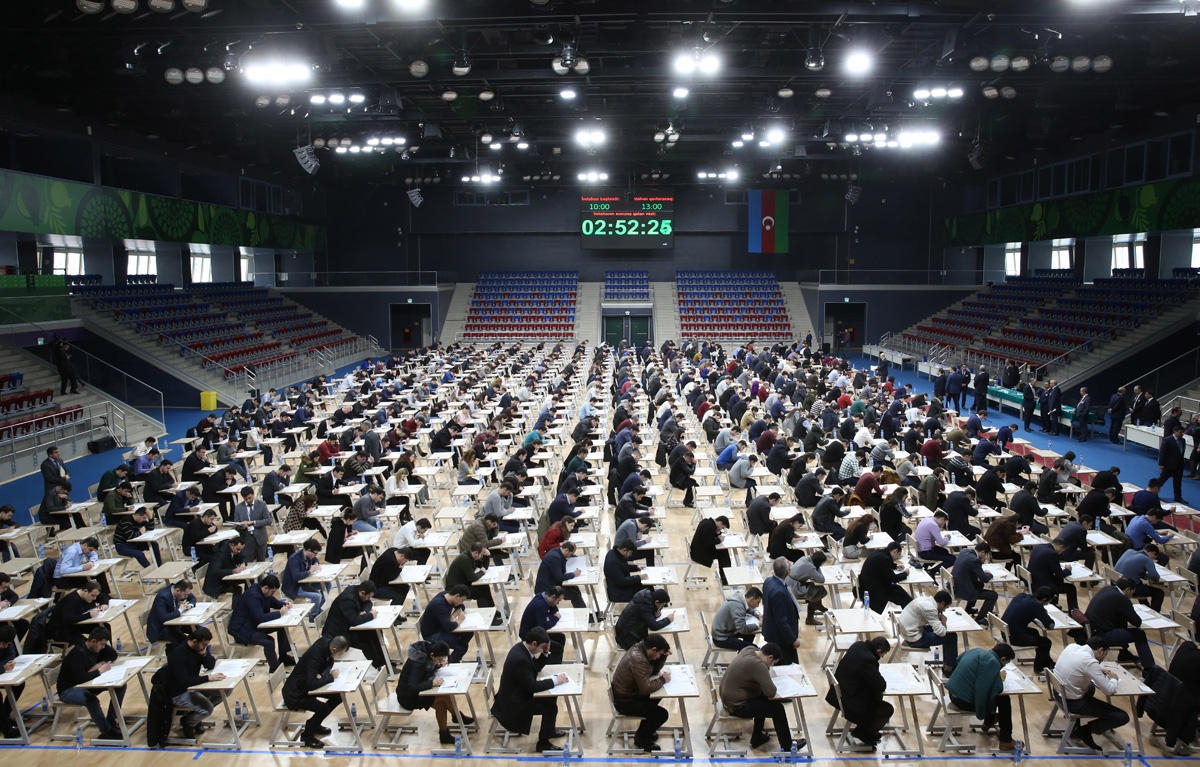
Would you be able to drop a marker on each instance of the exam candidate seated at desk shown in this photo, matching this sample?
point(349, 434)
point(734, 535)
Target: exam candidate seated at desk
point(862, 687)
point(226, 561)
point(411, 536)
point(299, 565)
point(639, 674)
point(349, 609)
point(298, 516)
point(387, 568)
point(748, 692)
point(258, 605)
point(177, 510)
point(467, 568)
point(72, 609)
point(172, 687)
point(8, 598)
point(420, 673)
point(443, 614)
point(131, 527)
point(542, 611)
point(1022, 612)
point(976, 684)
point(86, 661)
point(8, 661)
point(515, 704)
point(1079, 670)
point(169, 603)
point(736, 622)
point(79, 557)
point(622, 578)
point(314, 670)
point(642, 615)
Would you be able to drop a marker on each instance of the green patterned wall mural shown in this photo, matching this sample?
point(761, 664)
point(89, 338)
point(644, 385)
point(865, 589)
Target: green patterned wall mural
point(1159, 207)
point(42, 205)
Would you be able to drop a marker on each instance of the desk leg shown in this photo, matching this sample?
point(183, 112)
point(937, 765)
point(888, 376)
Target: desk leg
point(580, 650)
point(250, 699)
point(678, 647)
point(487, 638)
point(137, 645)
point(803, 726)
point(685, 730)
point(1137, 725)
point(354, 727)
point(912, 703)
point(1024, 721)
point(23, 738)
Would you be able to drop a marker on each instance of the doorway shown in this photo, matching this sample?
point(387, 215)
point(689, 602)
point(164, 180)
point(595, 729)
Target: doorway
point(839, 317)
point(634, 328)
point(410, 325)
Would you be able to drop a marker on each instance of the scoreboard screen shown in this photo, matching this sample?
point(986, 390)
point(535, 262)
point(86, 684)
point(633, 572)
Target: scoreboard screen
point(627, 222)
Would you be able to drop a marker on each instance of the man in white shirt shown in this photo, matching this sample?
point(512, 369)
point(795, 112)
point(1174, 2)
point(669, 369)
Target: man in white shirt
point(411, 536)
point(1079, 670)
point(923, 624)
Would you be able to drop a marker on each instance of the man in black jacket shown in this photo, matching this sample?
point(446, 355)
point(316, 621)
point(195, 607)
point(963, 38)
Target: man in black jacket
point(879, 579)
point(313, 671)
point(182, 672)
point(705, 539)
point(387, 569)
point(1024, 504)
point(643, 614)
point(758, 514)
point(809, 489)
point(1113, 619)
point(351, 608)
point(226, 561)
point(621, 578)
point(861, 686)
point(83, 663)
point(1046, 571)
point(515, 705)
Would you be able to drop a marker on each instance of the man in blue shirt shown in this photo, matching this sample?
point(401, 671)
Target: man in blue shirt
point(1143, 529)
point(299, 564)
point(728, 456)
point(78, 557)
point(543, 611)
point(1139, 566)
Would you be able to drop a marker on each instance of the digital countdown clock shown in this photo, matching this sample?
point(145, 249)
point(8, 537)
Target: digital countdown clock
point(630, 222)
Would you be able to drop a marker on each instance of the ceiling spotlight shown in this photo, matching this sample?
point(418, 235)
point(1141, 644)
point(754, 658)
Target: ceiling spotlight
point(283, 100)
point(487, 95)
point(589, 137)
point(978, 63)
point(775, 135)
point(785, 92)
point(1021, 63)
point(262, 102)
point(194, 75)
point(747, 134)
point(938, 92)
point(737, 143)
point(858, 62)
point(173, 75)
point(566, 94)
point(522, 145)
point(660, 136)
point(991, 92)
point(1060, 64)
point(341, 150)
point(161, 6)
point(90, 6)
point(195, 6)
point(558, 66)
point(823, 93)
point(385, 141)
point(582, 67)
point(337, 99)
point(461, 65)
point(680, 93)
point(317, 99)
point(124, 6)
point(1081, 64)
point(814, 61)
point(1102, 63)
point(346, 141)
point(318, 143)
point(921, 94)
point(357, 98)
point(697, 60)
point(449, 95)
point(1008, 92)
point(278, 73)
point(496, 145)
point(355, 149)
point(215, 75)
point(485, 138)
point(418, 68)
point(955, 93)
point(851, 138)
point(375, 142)
point(1000, 63)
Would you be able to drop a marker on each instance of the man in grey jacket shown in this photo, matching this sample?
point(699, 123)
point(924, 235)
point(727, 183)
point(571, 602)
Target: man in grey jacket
point(805, 580)
point(251, 517)
point(736, 622)
point(739, 476)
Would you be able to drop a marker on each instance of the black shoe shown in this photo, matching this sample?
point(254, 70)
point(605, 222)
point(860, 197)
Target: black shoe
point(649, 746)
point(467, 720)
point(545, 745)
point(110, 735)
point(560, 733)
point(312, 741)
point(202, 727)
point(758, 738)
point(497, 619)
point(288, 660)
point(322, 731)
point(1124, 656)
point(445, 738)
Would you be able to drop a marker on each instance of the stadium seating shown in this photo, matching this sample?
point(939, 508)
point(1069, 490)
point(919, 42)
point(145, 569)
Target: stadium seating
point(528, 305)
point(626, 286)
point(731, 304)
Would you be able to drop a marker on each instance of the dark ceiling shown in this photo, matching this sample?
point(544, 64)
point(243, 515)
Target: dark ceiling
point(108, 70)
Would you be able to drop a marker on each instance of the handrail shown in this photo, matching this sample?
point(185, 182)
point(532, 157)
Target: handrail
point(106, 411)
point(1149, 373)
point(93, 359)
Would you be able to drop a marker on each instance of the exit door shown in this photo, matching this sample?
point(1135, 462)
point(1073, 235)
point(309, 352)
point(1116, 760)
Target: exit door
point(634, 329)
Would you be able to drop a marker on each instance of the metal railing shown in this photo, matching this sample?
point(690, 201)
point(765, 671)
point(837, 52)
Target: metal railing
point(964, 277)
point(105, 418)
point(1174, 374)
point(107, 379)
point(359, 279)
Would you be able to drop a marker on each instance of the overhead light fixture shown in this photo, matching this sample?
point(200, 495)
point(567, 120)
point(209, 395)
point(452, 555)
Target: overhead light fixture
point(373, 141)
point(283, 100)
point(775, 135)
point(317, 99)
point(589, 138)
point(522, 145)
point(487, 94)
point(567, 94)
point(921, 94)
point(1008, 92)
point(1000, 62)
point(978, 63)
point(496, 146)
point(351, 3)
point(991, 92)
point(859, 62)
point(215, 75)
point(660, 136)
point(1060, 64)
point(318, 143)
point(680, 93)
point(161, 6)
point(1190, 7)
point(124, 6)
point(90, 6)
point(1081, 64)
point(418, 68)
point(278, 73)
point(737, 143)
point(704, 62)
point(194, 75)
point(592, 176)
point(410, 6)
point(582, 67)
point(357, 98)
point(823, 93)
point(1102, 63)
point(449, 95)
point(195, 6)
point(785, 92)
point(814, 60)
point(262, 102)
point(461, 65)
point(1021, 63)
point(173, 75)
point(747, 134)
point(337, 99)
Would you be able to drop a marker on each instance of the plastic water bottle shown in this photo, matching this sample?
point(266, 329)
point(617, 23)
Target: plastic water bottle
point(414, 607)
point(866, 602)
point(566, 755)
point(1128, 754)
point(117, 646)
point(457, 746)
point(78, 738)
point(41, 551)
point(379, 524)
point(478, 661)
point(193, 556)
point(103, 519)
point(270, 554)
point(1097, 523)
point(937, 655)
point(678, 748)
point(794, 754)
point(1017, 749)
point(354, 712)
point(751, 557)
point(45, 704)
point(246, 711)
point(237, 710)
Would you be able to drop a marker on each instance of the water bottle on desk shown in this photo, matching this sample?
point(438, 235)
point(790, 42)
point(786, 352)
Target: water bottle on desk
point(937, 655)
point(866, 602)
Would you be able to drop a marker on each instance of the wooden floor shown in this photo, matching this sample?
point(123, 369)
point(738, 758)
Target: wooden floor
point(594, 706)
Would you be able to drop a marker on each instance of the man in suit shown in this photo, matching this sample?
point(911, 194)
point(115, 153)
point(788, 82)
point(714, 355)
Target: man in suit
point(1172, 457)
point(1051, 408)
point(349, 609)
point(313, 671)
point(1116, 414)
point(275, 481)
point(705, 539)
point(227, 560)
point(515, 705)
point(442, 616)
point(169, 603)
point(54, 471)
point(980, 385)
point(1029, 400)
point(781, 613)
point(260, 605)
point(251, 517)
point(622, 578)
point(954, 387)
point(1083, 413)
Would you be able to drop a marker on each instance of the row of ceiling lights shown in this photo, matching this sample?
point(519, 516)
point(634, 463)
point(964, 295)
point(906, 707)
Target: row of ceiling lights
point(131, 6)
point(1002, 62)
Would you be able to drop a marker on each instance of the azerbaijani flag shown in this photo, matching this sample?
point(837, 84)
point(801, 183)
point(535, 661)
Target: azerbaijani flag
point(767, 221)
